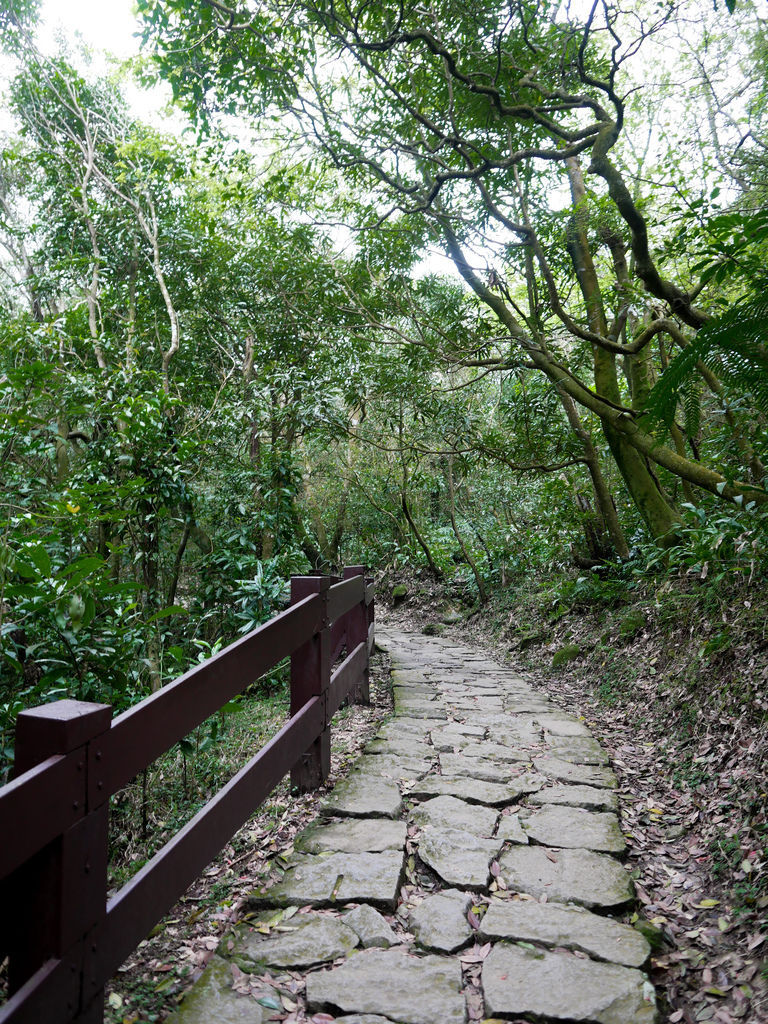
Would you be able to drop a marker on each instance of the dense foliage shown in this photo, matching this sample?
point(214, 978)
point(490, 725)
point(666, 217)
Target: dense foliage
point(222, 363)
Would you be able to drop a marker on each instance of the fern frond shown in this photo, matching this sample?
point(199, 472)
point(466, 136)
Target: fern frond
point(733, 346)
point(690, 394)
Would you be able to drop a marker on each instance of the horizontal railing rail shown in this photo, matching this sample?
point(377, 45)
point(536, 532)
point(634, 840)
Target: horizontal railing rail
point(63, 938)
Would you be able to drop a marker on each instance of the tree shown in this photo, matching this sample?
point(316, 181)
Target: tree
point(502, 135)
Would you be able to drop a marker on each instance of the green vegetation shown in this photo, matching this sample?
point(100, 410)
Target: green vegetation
point(481, 305)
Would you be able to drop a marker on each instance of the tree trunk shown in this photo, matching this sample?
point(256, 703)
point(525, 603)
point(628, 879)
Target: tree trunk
point(603, 498)
point(420, 539)
point(657, 512)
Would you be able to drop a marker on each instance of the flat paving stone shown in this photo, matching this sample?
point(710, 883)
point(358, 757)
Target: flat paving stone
point(474, 767)
point(578, 796)
point(370, 927)
point(394, 729)
point(406, 687)
point(407, 676)
point(448, 742)
point(440, 923)
point(364, 796)
point(408, 745)
point(465, 728)
point(506, 736)
point(570, 927)
point(576, 828)
point(472, 704)
point(326, 880)
point(392, 766)
point(491, 793)
point(459, 858)
point(566, 725)
point(567, 876)
point(561, 986)
point(422, 709)
point(450, 812)
point(304, 941)
point(580, 774)
point(353, 835)
point(511, 829)
point(498, 752)
point(425, 693)
point(213, 999)
point(403, 724)
point(579, 749)
point(403, 988)
point(364, 1018)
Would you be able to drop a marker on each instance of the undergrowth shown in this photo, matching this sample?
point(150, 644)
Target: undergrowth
point(157, 803)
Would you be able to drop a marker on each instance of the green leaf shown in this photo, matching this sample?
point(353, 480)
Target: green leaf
point(27, 571)
point(41, 559)
point(164, 613)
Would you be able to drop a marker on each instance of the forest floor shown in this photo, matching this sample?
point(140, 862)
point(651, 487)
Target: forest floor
point(675, 687)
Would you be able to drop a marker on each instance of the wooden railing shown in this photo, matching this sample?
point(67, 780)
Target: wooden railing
point(63, 937)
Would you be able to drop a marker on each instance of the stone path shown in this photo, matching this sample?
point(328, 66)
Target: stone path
point(469, 868)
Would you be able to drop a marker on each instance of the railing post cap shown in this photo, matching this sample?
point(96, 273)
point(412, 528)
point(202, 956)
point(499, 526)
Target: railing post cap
point(303, 586)
point(354, 570)
point(63, 725)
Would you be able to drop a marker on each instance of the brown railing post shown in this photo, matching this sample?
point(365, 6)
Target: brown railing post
point(357, 633)
point(310, 676)
point(60, 893)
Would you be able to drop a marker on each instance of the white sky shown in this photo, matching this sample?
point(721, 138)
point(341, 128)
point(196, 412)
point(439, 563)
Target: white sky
point(107, 28)
point(104, 24)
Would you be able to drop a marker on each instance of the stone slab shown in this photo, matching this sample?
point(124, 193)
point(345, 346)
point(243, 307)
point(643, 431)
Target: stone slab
point(511, 829)
point(304, 941)
point(326, 880)
point(578, 796)
point(353, 835)
point(440, 923)
point(576, 828)
point(403, 724)
point(570, 927)
point(370, 927)
point(459, 858)
point(474, 767)
point(465, 728)
point(394, 729)
point(562, 987)
point(364, 1018)
point(393, 766)
point(403, 988)
point(579, 749)
point(508, 734)
point(421, 709)
point(213, 999)
point(364, 796)
point(408, 745)
point(491, 793)
point(498, 752)
point(472, 704)
point(420, 695)
point(565, 725)
point(579, 774)
point(450, 812)
point(567, 876)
